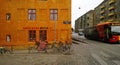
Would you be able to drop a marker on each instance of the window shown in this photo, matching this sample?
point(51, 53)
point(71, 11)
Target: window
point(43, 35)
point(116, 10)
point(112, 11)
point(8, 16)
point(116, 16)
point(88, 18)
point(32, 14)
point(53, 14)
point(32, 35)
point(102, 9)
point(8, 38)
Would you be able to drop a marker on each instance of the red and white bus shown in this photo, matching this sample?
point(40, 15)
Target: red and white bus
point(108, 32)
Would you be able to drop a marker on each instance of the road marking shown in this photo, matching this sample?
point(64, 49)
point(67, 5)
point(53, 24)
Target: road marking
point(100, 60)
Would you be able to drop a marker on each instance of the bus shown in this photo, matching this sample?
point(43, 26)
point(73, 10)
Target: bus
point(107, 32)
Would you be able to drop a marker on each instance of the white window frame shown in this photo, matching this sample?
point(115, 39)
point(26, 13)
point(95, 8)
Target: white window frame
point(54, 14)
point(31, 14)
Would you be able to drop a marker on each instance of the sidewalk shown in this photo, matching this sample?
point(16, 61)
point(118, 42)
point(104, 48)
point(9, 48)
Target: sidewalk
point(79, 56)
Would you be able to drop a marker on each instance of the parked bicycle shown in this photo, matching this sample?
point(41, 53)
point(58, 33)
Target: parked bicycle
point(39, 46)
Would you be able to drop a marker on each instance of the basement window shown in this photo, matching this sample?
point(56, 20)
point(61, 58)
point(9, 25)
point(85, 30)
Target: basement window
point(8, 38)
point(8, 16)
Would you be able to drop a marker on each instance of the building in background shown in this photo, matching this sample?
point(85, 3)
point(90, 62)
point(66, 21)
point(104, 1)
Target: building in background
point(77, 24)
point(24, 21)
point(108, 10)
point(86, 20)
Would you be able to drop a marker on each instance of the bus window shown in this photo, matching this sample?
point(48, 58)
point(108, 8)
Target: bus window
point(115, 30)
point(107, 31)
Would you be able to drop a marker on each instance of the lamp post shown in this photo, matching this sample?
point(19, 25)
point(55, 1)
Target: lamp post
point(54, 31)
point(55, 16)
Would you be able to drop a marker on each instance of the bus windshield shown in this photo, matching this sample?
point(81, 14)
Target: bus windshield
point(115, 29)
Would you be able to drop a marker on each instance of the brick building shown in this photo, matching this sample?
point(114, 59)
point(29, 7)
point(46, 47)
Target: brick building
point(23, 21)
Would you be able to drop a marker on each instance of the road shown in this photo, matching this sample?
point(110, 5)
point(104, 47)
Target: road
point(103, 53)
point(83, 52)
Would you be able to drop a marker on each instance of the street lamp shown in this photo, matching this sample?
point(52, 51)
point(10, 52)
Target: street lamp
point(54, 31)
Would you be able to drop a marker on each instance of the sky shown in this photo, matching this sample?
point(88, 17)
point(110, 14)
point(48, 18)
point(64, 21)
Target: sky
point(80, 7)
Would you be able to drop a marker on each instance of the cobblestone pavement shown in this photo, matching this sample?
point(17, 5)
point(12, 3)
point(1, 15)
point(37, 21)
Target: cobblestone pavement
point(79, 56)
